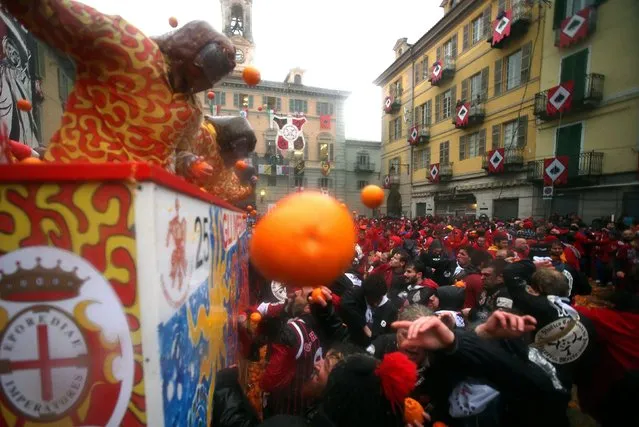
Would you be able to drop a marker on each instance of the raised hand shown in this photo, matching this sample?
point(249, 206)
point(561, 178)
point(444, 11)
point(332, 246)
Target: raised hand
point(506, 325)
point(427, 332)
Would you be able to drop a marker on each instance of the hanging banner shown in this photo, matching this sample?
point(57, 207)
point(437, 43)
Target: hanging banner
point(289, 132)
point(496, 160)
point(556, 171)
point(433, 173)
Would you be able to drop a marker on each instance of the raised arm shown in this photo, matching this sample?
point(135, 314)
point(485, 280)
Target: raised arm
point(67, 25)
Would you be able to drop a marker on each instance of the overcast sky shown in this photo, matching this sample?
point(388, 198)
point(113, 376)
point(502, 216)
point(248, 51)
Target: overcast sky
point(342, 44)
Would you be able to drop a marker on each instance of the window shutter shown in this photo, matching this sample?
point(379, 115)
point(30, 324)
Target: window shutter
point(439, 53)
point(416, 72)
point(428, 112)
point(330, 152)
point(481, 150)
point(559, 13)
point(525, 62)
point(498, 70)
point(264, 100)
point(522, 131)
point(484, 84)
point(487, 27)
point(306, 106)
point(453, 97)
point(453, 41)
point(464, 90)
point(502, 6)
point(462, 147)
point(465, 43)
point(317, 108)
point(496, 137)
point(291, 105)
point(438, 108)
point(236, 99)
point(223, 100)
point(278, 104)
point(425, 68)
point(250, 101)
point(330, 109)
point(390, 131)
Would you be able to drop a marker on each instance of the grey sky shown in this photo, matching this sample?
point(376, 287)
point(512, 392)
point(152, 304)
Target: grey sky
point(343, 44)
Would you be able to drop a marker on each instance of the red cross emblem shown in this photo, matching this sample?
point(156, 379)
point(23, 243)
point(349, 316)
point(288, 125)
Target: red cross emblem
point(289, 132)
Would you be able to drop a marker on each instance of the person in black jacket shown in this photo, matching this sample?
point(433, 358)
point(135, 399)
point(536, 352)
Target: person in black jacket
point(439, 266)
point(367, 311)
point(494, 296)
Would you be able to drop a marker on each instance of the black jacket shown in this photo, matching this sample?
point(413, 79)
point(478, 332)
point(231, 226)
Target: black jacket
point(353, 312)
point(489, 301)
point(443, 268)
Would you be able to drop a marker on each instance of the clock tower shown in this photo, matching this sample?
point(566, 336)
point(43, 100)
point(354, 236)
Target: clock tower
point(236, 19)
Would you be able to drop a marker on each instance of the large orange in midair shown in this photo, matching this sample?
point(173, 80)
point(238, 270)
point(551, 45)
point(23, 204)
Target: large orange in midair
point(308, 239)
point(372, 196)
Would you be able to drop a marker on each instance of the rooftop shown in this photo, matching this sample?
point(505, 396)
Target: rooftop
point(272, 86)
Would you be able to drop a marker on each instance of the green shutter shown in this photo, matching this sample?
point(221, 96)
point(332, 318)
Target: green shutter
point(464, 90)
point(481, 150)
point(223, 100)
point(429, 109)
point(498, 72)
point(486, 22)
point(438, 108)
point(573, 68)
point(465, 37)
point(330, 109)
point(278, 104)
point(453, 41)
point(525, 62)
point(559, 13)
point(250, 101)
point(496, 137)
point(522, 131)
point(462, 148)
point(305, 106)
point(318, 111)
point(236, 99)
point(453, 98)
point(264, 100)
point(439, 53)
point(291, 105)
point(569, 144)
point(484, 84)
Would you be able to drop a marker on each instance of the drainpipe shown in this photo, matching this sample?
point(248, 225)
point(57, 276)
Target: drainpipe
point(412, 115)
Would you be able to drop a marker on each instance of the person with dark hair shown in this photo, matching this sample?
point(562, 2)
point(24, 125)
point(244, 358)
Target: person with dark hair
point(367, 311)
point(393, 271)
point(494, 296)
point(500, 242)
point(416, 289)
point(439, 266)
point(467, 274)
point(577, 285)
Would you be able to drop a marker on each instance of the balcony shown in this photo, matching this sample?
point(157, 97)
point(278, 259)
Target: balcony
point(475, 111)
point(395, 179)
point(513, 159)
point(442, 70)
point(585, 96)
point(576, 28)
point(424, 134)
point(520, 19)
point(445, 171)
point(586, 167)
point(364, 167)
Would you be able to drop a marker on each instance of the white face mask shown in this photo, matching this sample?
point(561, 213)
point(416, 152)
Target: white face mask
point(279, 291)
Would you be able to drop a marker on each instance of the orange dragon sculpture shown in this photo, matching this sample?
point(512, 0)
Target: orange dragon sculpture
point(134, 96)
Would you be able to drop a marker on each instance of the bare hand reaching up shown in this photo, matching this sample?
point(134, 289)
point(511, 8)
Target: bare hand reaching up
point(426, 332)
point(505, 325)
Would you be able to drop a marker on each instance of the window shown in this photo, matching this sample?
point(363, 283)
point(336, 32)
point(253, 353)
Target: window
point(272, 103)
point(324, 183)
point(421, 158)
point(325, 150)
point(361, 184)
point(511, 131)
point(423, 114)
point(242, 100)
point(574, 68)
point(472, 145)
point(272, 181)
point(447, 104)
point(297, 106)
point(393, 166)
point(477, 30)
point(65, 84)
point(444, 150)
point(513, 71)
point(297, 79)
point(566, 8)
point(448, 49)
point(514, 134)
point(421, 70)
point(363, 159)
point(395, 129)
point(324, 108)
point(396, 88)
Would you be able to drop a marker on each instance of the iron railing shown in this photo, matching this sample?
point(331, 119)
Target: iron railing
point(589, 164)
point(589, 98)
point(364, 167)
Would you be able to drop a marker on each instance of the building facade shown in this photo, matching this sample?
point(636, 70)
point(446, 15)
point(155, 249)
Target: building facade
point(362, 168)
point(588, 108)
point(318, 113)
point(458, 123)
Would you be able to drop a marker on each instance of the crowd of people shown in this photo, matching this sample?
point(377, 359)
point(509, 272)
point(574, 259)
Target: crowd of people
point(479, 321)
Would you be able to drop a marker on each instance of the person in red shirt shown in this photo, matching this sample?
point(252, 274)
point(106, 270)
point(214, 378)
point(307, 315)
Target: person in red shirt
point(470, 274)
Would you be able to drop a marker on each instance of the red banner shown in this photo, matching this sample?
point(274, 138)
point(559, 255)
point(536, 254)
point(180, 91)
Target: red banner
point(560, 98)
point(556, 171)
point(436, 72)
point(433, 173)
point(574, 28)
point(462, 112)
point(413, 135)
point(325, 121)
point(501, 26)
point(496, 160)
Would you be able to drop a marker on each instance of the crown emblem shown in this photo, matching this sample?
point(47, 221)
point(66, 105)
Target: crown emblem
point(40, 283)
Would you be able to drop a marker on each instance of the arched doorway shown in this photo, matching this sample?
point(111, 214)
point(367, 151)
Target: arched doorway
point(394, 203)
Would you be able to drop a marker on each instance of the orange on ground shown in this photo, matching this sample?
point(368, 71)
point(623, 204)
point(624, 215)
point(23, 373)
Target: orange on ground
point(413, 412)
point(24, 105)
point(372, 196)
point(31, 161)
point(241, 165)
point(255, 317)
point(317, 295)
point(308, 239)
point(251, 75)
point(173, 22)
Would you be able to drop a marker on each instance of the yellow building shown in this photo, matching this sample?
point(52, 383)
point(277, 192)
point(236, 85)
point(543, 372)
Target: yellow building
point(481, 62)
point(590, 59)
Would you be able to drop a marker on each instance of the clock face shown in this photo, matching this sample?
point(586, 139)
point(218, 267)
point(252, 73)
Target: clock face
point(239, 56)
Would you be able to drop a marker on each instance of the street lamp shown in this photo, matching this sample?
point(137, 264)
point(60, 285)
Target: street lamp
point(262, 194)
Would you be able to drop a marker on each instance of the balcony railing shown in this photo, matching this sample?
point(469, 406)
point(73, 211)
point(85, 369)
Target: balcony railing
point(586, 165)
point(513, 158)
point(521, 19)
point(584, 98)
point(364, 167)
point(395, 179)
point(448, 71)
point(445, 170)
point(424, 134)
point(568, 38)
point(476, 115)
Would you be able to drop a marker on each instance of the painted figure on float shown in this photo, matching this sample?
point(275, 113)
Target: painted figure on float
point(134, 96)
